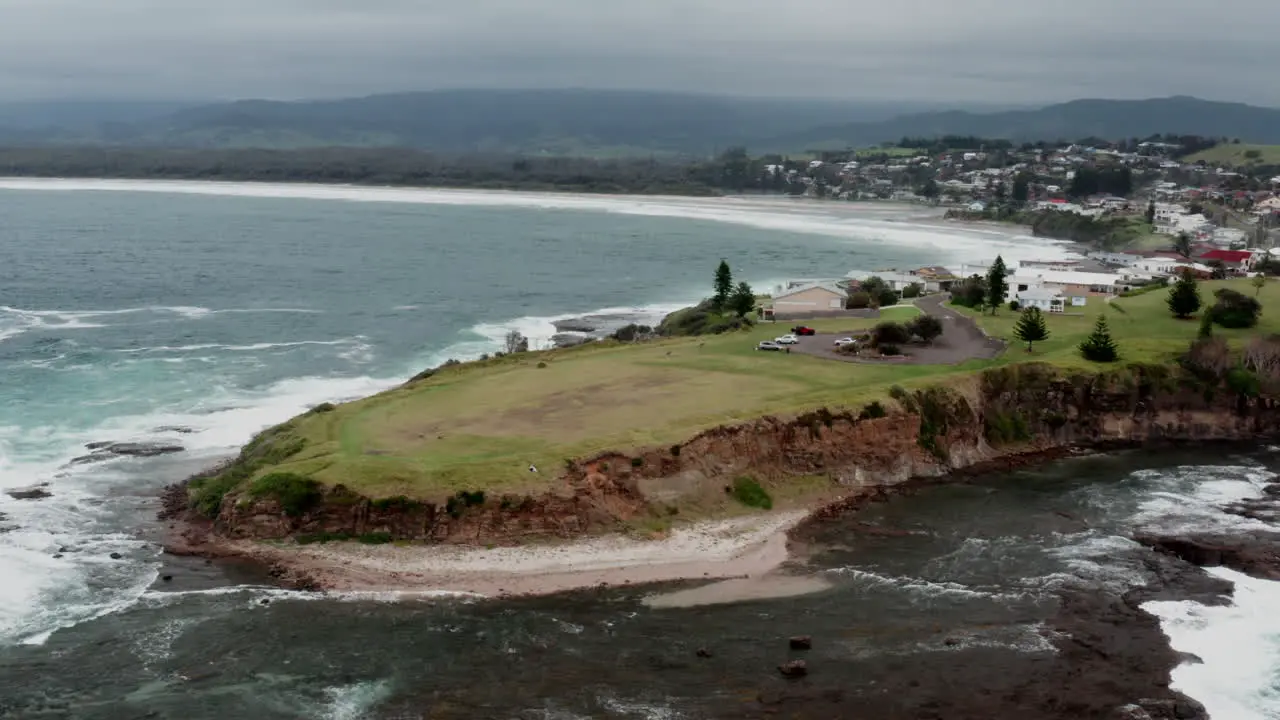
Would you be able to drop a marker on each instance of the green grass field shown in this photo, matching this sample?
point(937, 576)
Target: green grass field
point(1237, 155)
point(1141, 325)
point(480, 425)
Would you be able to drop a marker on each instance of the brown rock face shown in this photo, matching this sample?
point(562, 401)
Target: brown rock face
point(999, 418)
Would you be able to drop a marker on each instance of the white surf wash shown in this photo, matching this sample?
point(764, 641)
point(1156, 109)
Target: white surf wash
point(1239, 644)
point(954, 243)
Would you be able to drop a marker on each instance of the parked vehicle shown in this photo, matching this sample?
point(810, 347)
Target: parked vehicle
point(803, 330)
point(845, 341)
point(787, 340)
point(768, 345)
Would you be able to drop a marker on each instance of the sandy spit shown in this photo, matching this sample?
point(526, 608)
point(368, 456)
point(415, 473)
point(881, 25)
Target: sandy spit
point(743, 548)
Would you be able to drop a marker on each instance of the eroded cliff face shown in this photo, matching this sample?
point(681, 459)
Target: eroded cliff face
point(995, 415)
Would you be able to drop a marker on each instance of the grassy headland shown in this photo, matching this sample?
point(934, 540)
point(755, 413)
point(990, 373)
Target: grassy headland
point(481, 425)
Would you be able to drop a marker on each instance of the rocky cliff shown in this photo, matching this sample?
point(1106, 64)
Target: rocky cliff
point(994, 416)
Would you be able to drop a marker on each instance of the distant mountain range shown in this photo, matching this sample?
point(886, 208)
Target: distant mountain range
point(603, 123)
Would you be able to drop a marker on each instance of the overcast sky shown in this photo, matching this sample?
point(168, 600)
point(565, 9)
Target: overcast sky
point(992, 51)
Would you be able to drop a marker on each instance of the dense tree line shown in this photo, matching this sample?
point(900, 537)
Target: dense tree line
point(732, 171)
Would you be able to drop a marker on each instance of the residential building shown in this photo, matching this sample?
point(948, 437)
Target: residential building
point(1048, 300)
point(818, 297)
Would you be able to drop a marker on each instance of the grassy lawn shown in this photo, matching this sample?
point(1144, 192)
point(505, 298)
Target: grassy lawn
point(1237, 155)
point(1141, 325)
point(480, 425)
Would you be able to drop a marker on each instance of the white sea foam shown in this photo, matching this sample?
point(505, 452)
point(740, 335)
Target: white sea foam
point(1190, 499)
point(16, 321)
point(921, 590)
point(353, 702)
point(40, 594)
point(1239, 644)
point(357, 341)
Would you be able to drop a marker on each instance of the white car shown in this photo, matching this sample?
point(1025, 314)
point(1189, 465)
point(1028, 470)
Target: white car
point(768, 345)
point(787, 340)
point(845, 341)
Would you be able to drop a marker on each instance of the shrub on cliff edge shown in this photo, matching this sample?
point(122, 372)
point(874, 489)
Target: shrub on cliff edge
point(749, 492)
point(295, 493)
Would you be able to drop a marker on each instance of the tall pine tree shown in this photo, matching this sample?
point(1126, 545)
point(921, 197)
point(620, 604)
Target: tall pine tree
point(1184, 296)
point(997, 287)
point(723, 286)
point(1031, 327)
point(1099, 347)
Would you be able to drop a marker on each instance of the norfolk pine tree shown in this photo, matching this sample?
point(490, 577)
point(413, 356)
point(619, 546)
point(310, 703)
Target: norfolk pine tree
point(723, 286)
point(1099, 347)
point(997, 288)
point(1031, 327)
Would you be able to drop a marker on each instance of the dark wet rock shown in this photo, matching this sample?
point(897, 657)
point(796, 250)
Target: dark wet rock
point(32, 493)
point(801, 642)
point(180, 429)
point(264, 601)
point(565, 340)
point(1190, 658)
point(703, 653)
point(794, 669)
point(103, 451)
point(573, 325)
point(64, 549)
point(58, 556)
point(166, 578)
point(951, 642)
point(1255, 554)
point(1272, 490)
point(115, 556)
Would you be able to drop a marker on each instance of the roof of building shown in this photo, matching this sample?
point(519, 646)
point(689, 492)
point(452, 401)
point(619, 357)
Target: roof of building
point(1070, 277)
point(1039, 293)
point(829, 287)
point(1227, 256)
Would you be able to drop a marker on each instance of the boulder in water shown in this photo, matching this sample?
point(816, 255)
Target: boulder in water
point(564, 340)
point(802, 642)
point(179, 429)
point(115, 556)
point(32, 493)
point(574, 325)
point(111, 450)
point(794, 669)
point(704, 653)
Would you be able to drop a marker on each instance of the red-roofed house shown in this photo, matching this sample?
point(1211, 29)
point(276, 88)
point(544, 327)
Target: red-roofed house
point(1233, 259)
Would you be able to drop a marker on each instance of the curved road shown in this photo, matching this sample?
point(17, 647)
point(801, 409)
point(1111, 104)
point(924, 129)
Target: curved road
point(961, 340)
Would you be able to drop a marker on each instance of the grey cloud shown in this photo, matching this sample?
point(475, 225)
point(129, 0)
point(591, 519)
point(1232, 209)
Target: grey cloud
point(945, 50)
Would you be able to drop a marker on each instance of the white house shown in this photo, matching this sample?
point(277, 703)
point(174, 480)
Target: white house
point(1071, 283)
point(809, 298)
point(1046, 299)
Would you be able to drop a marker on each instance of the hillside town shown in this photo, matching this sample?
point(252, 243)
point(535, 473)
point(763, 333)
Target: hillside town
point(1054, 286)
point(1153, 182)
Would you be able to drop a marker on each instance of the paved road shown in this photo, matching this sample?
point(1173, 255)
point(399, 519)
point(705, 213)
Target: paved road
point(961, 340)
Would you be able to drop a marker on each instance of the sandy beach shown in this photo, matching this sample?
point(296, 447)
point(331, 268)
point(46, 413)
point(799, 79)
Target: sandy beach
point(748, 550)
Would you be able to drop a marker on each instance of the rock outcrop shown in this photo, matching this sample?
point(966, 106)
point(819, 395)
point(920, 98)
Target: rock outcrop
point(111, 450)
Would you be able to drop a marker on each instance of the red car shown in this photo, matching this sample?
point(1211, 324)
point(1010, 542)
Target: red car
point(802, 330)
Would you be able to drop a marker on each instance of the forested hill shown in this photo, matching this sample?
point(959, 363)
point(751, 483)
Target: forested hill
point(1111, 119)
point(597, 123)
point(604, 124)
